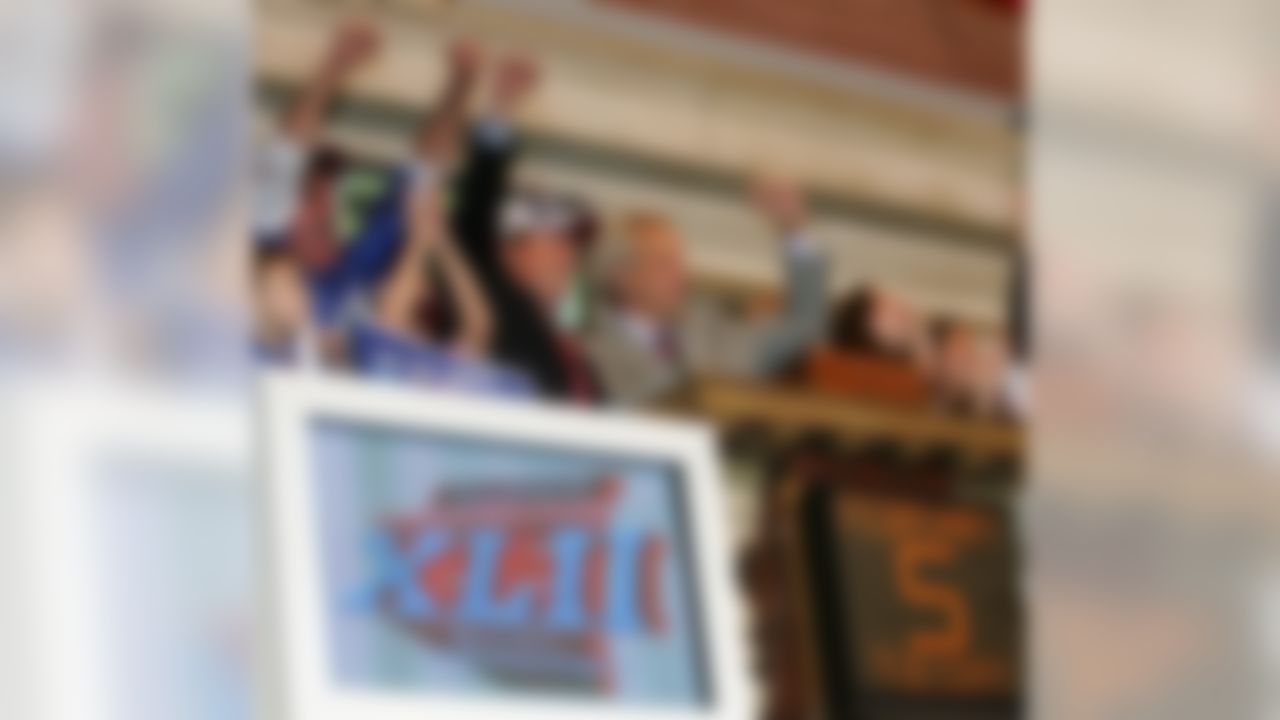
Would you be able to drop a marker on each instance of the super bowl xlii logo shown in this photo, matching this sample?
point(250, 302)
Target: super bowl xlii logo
point(529, 583)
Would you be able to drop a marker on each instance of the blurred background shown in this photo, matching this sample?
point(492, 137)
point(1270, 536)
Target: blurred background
point(801, 223)
point(825, 228)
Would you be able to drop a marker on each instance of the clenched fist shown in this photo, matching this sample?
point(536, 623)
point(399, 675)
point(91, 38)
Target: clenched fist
point(781, 201)
point(354, 43)
point(516, 77)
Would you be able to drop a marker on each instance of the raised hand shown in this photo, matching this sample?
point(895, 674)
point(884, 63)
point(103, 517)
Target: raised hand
point(466, 60)
point(781, 201)
point(354, 43)
point(438, 140)
point(516, 77)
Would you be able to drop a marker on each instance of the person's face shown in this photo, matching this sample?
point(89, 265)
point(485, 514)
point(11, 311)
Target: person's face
point(960, 359)
point(894, 323)
point(886, 320)
point(544, 264)
point(314, 242)
point(654, 279)
point(990, 365)
point(282, 298)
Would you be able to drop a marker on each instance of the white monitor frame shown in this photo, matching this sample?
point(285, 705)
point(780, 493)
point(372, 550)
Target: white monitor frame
point(302, 687)
point(56, 433)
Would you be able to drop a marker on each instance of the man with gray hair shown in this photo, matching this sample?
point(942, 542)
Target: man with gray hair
point(655, 333)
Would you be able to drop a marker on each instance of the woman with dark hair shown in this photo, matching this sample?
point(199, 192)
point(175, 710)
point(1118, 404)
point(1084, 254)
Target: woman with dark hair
point(870, 321)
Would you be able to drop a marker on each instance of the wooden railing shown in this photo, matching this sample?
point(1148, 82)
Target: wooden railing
point(794, 411)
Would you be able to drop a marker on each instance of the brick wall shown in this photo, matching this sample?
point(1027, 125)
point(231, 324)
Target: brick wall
point(967, 44)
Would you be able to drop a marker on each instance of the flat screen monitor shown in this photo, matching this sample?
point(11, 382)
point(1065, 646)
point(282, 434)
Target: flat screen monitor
point(436, 555)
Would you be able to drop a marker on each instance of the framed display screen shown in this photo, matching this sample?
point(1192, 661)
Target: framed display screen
point(459, 566)
point(438, 555)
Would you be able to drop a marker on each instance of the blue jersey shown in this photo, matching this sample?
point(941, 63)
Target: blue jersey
point(377, 353)
point(368, 256)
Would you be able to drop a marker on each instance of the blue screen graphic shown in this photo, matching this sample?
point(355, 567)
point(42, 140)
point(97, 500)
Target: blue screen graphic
point(459, 566)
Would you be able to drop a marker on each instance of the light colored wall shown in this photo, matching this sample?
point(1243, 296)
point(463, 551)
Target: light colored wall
point(714, 110)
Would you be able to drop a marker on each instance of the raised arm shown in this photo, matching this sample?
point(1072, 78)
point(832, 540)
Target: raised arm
point(803, 319)
point(475, 328)
point(436, 148)
point(353, 44)
point(282, 163)
point(409, 283)
point(375, 253)
point(486, 177)
point(440, 140)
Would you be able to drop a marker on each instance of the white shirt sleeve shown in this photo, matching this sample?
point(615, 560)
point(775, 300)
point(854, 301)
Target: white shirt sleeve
point(278, 167)
point(799, 245)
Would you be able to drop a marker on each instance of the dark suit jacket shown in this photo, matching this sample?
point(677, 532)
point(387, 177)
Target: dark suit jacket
point(524, 337)
point(1019, 308)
